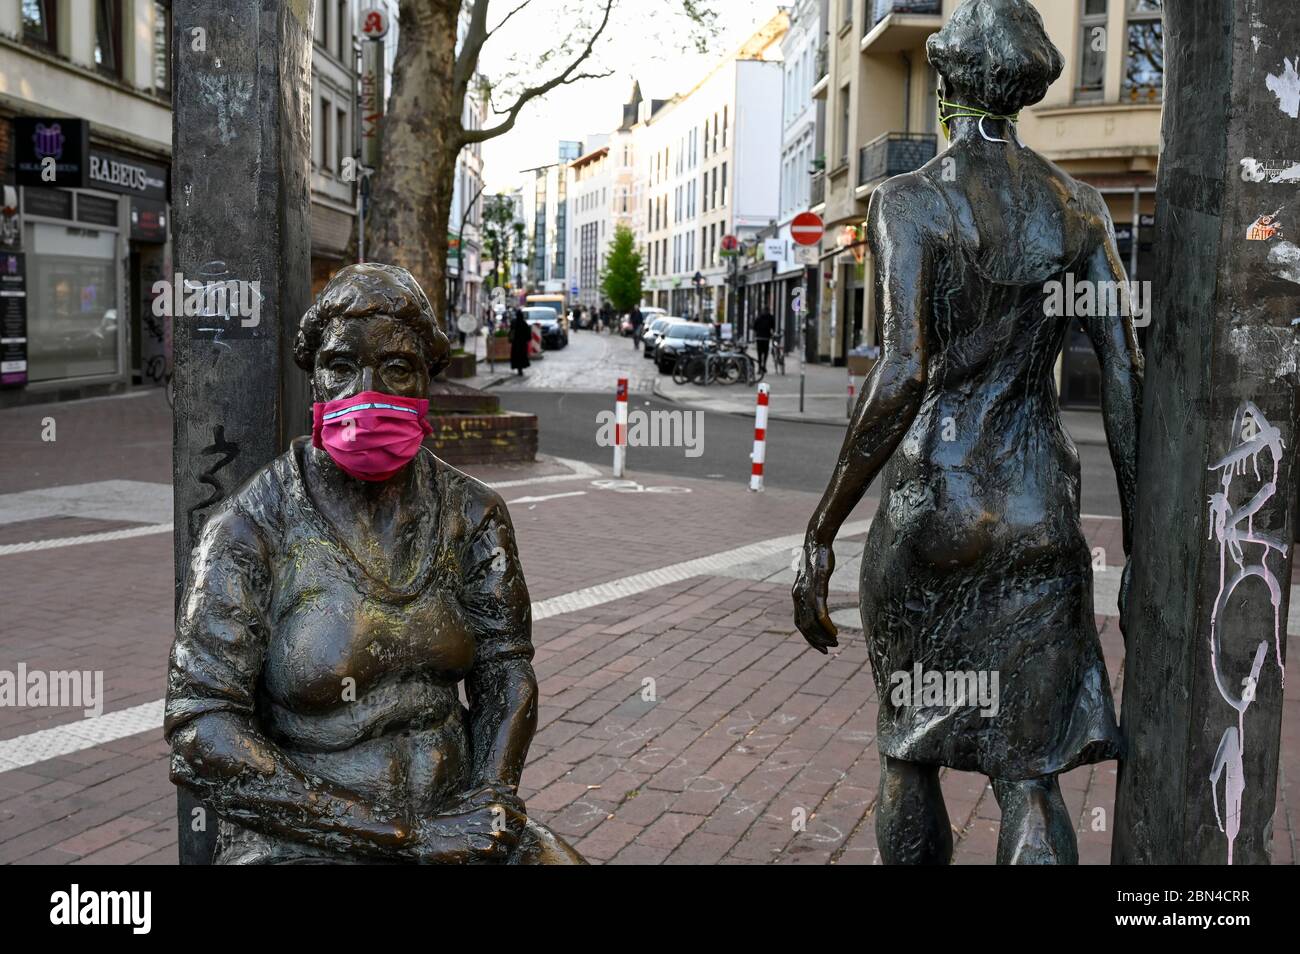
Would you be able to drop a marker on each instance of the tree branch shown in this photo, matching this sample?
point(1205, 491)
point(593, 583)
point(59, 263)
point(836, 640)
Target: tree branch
point(506, 20)
point(569, 75)
point(475, 37)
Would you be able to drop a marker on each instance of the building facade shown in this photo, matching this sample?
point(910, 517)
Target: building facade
point(334, 139)
point(85, 132)
point(710, 177)
point(1100, 121)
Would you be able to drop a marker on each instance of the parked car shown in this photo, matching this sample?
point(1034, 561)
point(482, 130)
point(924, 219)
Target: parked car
point(554, 334)
point(676, 339)
point(654, 330)
point(648, 314)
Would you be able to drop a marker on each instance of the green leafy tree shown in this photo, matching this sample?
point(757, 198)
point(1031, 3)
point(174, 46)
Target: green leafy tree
point(498, 232)
point(620, 281)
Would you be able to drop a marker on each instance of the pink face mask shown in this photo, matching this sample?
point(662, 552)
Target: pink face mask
point(370, 435)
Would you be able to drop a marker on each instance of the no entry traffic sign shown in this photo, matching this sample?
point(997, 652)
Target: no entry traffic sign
point(806, 228)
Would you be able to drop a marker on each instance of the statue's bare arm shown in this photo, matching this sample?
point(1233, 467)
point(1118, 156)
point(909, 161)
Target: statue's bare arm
point(901, 214)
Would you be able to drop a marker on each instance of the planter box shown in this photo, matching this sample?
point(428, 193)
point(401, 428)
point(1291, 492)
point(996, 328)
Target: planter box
point(860, 365)
point(499, 349)
point(462, 366)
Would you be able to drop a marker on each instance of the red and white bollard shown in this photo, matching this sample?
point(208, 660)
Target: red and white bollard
point(620, 428)
point(853, 392)
point(760, 439)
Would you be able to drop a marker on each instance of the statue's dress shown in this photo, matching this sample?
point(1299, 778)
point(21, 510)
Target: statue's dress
point(353, 677)
point(975, 560)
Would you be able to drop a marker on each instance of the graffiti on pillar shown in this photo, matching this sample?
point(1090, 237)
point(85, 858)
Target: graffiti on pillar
point(1244, 554)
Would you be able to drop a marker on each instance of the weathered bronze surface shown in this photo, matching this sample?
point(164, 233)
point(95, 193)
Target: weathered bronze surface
point(975, 562)
point(327, 622)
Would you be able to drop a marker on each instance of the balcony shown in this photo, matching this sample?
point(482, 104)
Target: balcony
point(893, 154)
point(817, 191)
point(893, 26)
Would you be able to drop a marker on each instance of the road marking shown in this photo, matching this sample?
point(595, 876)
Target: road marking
point(87, 733)
point(104, 537)
point(82, 734)
point(534, 500)
point(132, 500)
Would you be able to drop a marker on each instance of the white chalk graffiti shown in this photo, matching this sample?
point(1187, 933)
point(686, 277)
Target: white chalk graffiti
point(1234, 529)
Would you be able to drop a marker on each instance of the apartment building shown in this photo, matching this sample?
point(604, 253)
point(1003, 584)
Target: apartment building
point(546, 219)
point(465, 225)
point(333, 138)
point(710, 177)
point(1100, 121)
point(602, 196)
point(775, 283)
point(85, 136)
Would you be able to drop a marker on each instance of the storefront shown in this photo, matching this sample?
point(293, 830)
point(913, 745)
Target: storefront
point(91, 240)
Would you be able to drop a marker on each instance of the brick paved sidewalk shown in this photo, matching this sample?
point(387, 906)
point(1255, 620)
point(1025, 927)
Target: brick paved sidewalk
point(747, 729)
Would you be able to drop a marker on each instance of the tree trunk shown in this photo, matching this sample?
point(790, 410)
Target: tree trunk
point(411, 204)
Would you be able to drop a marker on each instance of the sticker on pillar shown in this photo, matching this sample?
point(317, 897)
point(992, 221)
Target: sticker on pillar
point(1286, 87)
point(1269, 170)
point(1264, 228)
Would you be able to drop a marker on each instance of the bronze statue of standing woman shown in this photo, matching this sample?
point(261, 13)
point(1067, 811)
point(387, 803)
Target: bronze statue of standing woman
point(975, 561)
point(333, 607)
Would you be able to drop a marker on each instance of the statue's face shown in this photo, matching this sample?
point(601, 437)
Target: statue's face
point(369, 354)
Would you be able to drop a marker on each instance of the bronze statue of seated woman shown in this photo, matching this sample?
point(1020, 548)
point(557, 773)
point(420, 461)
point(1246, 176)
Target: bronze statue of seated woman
point(332, 609)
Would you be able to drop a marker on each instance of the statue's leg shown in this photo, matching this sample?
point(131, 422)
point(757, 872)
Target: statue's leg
point(911, 821)
point(1036, 828)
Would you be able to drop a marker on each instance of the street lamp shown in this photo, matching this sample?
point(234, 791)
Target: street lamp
point(698, 281)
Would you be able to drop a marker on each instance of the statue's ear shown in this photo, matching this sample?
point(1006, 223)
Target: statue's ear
point(307, 341)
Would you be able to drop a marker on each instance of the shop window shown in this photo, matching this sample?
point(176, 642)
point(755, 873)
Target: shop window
point(1144, 58)
point(1092, 50)
point(72, 302)
point(38, 22)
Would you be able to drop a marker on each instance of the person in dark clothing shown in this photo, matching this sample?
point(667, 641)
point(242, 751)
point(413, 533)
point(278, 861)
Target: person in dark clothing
point(764, 328)
point(605, 316)
point(521, 335)
point(637, 320)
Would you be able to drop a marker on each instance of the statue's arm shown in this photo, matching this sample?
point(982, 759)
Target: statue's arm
point(501, 688)
point(1115, 340)
point(217, 750)
point(898, 225)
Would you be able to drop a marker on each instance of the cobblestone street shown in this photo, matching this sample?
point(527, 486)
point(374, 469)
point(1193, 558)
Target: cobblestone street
point(683, 720)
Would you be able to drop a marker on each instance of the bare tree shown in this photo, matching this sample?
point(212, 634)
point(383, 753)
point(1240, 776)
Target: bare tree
point(423, 128)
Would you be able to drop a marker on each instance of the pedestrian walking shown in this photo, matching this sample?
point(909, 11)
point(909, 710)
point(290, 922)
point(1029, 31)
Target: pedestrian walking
point(521, 335)
point(604, 316)
point(636, 327)
point(764, 328)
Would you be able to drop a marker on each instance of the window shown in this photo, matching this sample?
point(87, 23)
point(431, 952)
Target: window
point(724, 127)
point(713, 190)
point(341, 130)
point(38, 22)
point(1144, 57)
point(162, 47)
point(1092, 50)
point(706, 139)
point(345, 33)
point(844, 125)
point(108, 30)
point(715, 133)
point(324, 159)
point(724, 183)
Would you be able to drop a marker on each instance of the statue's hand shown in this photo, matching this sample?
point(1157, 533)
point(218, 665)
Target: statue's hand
point(811, 583)
point(475, 834)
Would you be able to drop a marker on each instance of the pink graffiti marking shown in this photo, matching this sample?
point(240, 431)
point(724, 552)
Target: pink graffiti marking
point(1226, 526)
